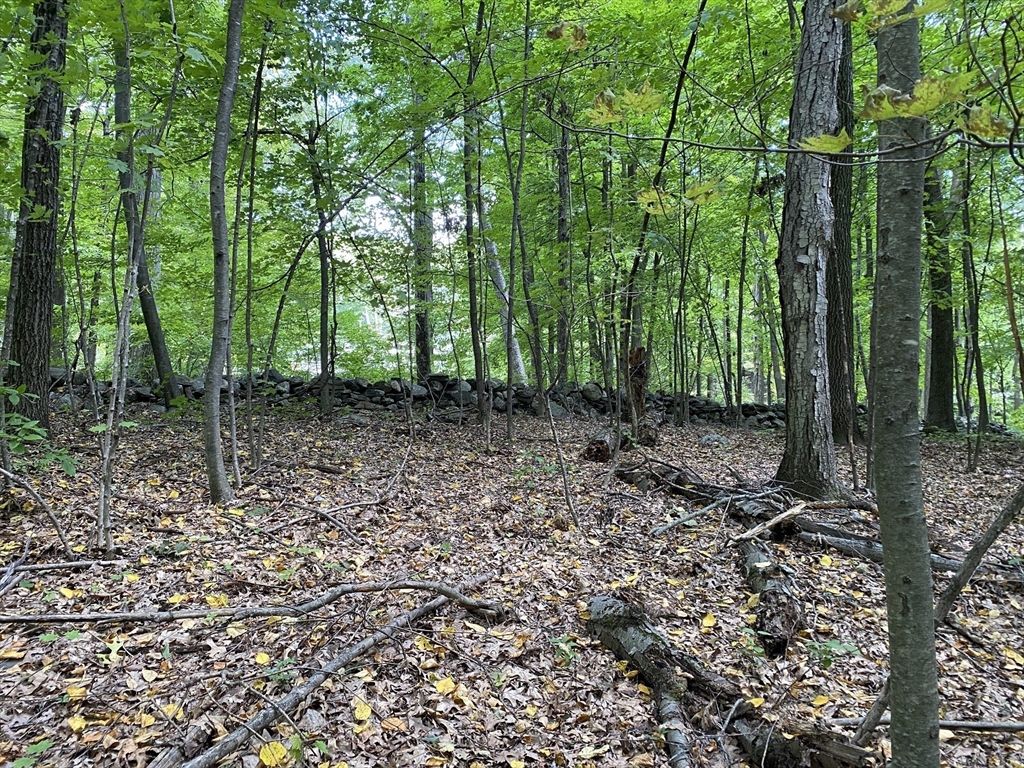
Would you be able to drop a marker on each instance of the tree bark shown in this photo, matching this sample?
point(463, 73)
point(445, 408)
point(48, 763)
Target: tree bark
point(422, 249)
point(808, 464)
point(839, 272)
point(220, 489)
point(896, 423)
point(169, 388)
point(939, 412)
point(30, 297)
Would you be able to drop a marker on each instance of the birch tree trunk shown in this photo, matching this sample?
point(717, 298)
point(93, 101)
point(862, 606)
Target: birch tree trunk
point(896, 421)
point(808, 464)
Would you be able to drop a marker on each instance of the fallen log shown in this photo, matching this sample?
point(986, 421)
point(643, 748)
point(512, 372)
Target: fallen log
point(602, 446)
point(683, 688)
point(779, 614)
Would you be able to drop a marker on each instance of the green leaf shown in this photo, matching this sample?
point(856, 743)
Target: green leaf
point(97, 428)
point(826, 144)
point(645, 100)
point(49, 637)
point(39, 747)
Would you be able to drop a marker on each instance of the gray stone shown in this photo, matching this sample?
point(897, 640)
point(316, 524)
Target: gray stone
point(419, 392)
point(373, 392)
point(592, 392)
point(283, 387)
point(67, 402)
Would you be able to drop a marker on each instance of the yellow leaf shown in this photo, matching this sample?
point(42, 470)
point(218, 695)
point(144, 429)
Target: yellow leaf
point(820, 701)
point(131, 578)
point(172, 711)
point(173, 495)
point(826, 561)
point(262, 658)
point(589, 752)
point(605, 108)
point(709, 620)
point(78, 548)
point(273, 753)
point(702, 194)
point(531, 710)
point(76, 692)
point(362, 709)
point(826, 144)
point(516, 764)
point(757, 701)
point(476, 627)
point(217, 601)
point(945, 735)
point(11, 653)
point(145, 719)
point(176, 598)
point(394, 724)
point(445, 686)
point(646, 99)
point(1013, 655)
point(657, 202)
point(77, 723)
point(149, 675)
point(643, 689)
point(70, 592)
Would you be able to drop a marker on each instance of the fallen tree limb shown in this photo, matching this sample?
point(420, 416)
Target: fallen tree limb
point(757, 530)
point(276, 710)
point(19, 480)
point(676, 679)
point(861, 546)
point(486, 608)
point(1008, 726)
point(944, 605)
point(66, 566)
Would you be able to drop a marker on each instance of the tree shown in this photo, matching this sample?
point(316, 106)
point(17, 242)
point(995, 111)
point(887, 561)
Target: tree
point(942, 355)
point(129, 181)
point(30, 297)
point(808, 464)
point(839, 272)
point(896, 422)
point(220, 489)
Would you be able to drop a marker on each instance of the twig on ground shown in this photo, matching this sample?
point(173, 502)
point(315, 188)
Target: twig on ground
point(486, 608)
point(757, 530)
point(9, 579)
point(18, 480)
point(1008, 726)
point(326, 515)
point(274, 711)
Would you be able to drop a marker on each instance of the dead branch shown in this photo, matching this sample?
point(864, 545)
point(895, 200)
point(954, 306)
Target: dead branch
point(489, 610)
point(66, 566)
point(19, 480)
point(757, 530)
point(326, 515)
point(273, 712)
point(1008, 726)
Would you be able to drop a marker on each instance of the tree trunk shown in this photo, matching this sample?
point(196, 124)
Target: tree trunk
point(563, 246)
point(220, 489)
point(808, 464)
point(896, 433)
point(169, 388)
point(939, 402)
point(839, 273)
point(30, 297)
point(422, 248)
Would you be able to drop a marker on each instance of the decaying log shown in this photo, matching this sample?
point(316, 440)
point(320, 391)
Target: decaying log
point(681, 481)
point(682, 685)
point(861, 546)
point(602, 445)
point(779, 613)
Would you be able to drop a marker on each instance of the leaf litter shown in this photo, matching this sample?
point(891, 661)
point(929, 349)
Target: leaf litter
point(454, 689)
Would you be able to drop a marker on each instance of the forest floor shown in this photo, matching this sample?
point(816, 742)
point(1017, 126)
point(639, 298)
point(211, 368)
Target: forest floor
point(455, 690)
